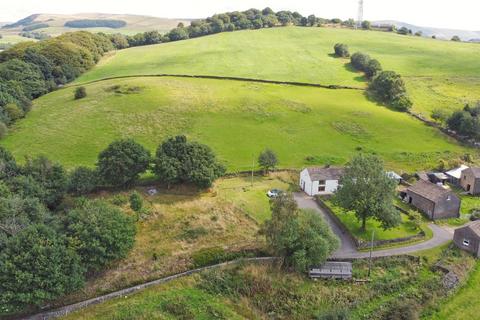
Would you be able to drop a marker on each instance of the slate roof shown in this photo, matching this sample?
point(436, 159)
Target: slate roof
point(475, 227)
point(332, 269)
point(475, 171)
point(429, 190)
point(331, 173)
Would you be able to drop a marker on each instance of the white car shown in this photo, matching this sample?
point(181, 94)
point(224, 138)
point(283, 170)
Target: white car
point(274, 193)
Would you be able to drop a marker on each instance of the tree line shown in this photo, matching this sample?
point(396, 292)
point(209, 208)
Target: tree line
point(31, 69)
point(387, 87)
point(51, 243)
point(465, 122)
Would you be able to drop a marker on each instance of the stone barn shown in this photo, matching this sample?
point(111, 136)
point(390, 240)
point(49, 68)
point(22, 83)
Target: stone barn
point(468, 238)
point(470, 180)
point(433, 200)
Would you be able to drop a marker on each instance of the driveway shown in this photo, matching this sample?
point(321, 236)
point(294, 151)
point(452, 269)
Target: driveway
point(348, 249)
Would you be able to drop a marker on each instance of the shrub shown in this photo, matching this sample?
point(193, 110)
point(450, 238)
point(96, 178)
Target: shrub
point(372, 68)
point(136, 201)
point(193, 233)
point(14, 112)
point(389, 88)
point(341, 50)
point(80, 93)
point(360, 61)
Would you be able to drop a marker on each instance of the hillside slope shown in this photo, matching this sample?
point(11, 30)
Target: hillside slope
point(439, 74)
point(56, 23)
point(305, 126)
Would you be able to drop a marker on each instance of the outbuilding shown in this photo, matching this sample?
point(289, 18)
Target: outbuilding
point(332, 270)
point(455, 175)
point(470, 180)
point(435, 201)
point(320, 181)
point(468, 238)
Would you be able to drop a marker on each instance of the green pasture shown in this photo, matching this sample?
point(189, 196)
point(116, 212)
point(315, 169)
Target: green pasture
point(439, 74)
point(304, 126)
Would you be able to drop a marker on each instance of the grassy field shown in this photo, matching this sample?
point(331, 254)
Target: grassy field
point(13, 39)
point(439, 74)
point(304, 126)
point(405, 229)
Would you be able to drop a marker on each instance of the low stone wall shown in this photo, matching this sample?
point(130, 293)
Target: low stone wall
point(362, 244)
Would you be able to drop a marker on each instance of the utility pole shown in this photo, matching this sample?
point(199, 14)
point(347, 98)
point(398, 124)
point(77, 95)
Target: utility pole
point(370, 261)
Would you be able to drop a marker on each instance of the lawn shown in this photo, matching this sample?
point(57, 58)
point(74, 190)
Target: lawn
point(439, 74)
point(304, 126)
point(405, 229)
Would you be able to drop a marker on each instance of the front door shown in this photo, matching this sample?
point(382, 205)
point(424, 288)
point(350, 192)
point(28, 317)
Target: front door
point(468, 187)
point(303, 185)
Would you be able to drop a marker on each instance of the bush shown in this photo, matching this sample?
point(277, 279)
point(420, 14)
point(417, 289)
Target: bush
point(341, 50)
point(360, 61)
point(209, 256)
point(389, 88)
point(80, 93)
point(372, 68)
point(14, 112)
point(136, 201)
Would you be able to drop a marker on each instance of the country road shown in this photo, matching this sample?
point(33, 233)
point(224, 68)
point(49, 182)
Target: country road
point(348, 249)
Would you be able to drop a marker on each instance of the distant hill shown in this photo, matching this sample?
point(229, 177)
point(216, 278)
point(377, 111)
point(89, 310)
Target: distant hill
point(440, 33)
point(55, 24)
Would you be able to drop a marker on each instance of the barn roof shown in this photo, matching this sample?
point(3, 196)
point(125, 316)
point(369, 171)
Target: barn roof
point(331, 173)
point(475, 171)
point(332, 269)
point(457, 172)
point(474, 226)
point(429, 190)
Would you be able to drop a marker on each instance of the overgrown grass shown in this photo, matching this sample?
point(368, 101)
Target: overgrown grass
point(304, 126)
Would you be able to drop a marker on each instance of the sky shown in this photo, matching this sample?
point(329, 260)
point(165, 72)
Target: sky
point(459, 14)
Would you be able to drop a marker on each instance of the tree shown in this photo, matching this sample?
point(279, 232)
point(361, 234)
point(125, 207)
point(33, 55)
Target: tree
point(50, 177)
point(27, 75)
point(439, 115)
point(419, 33)
point(14, 112)
point(341, 50)
point(82, 181)
point(301, 238)
point(99, 233)
point(136, 201)
point(80, 93)
point(456, 38)
point(178, 34)
point(366, 25)
point(8, 165)
point(360, 60)
point(17, 213)
point(178, 160)
point(267, 160)
point(37, 266)
point(122, 162)
point(368, 191)
point(372, 68)
point(404, 31)
point(389, 88)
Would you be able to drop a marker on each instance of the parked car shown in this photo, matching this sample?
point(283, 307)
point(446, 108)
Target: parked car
point(274, 193)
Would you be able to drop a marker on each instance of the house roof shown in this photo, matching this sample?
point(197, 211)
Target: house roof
point(457, 172)
point(331, 173)
point(332, 269)
point(422, 176)
point(439, 175)
point(475, 171)
point(429, 190)
point(475, 227)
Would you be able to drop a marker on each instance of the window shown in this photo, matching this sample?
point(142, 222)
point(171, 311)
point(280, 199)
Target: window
point(466, 242)
point(321, 188)
point(321, 182)
point(464, 177)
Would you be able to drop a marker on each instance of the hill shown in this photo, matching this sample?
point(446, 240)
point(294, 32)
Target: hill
point(440, 33)
point(305, 126)
point(54, 24)
point(434, 79)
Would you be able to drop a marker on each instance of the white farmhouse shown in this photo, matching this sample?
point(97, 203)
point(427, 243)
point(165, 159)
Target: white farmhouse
point(320, 181)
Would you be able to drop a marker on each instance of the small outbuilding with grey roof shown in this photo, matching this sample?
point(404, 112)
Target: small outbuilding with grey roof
point(468, 238)
point(320, 181)
point(433, 200)
point(332, 270)
point(470, 180)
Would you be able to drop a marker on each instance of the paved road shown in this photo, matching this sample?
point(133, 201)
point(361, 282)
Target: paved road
point(348, 249)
